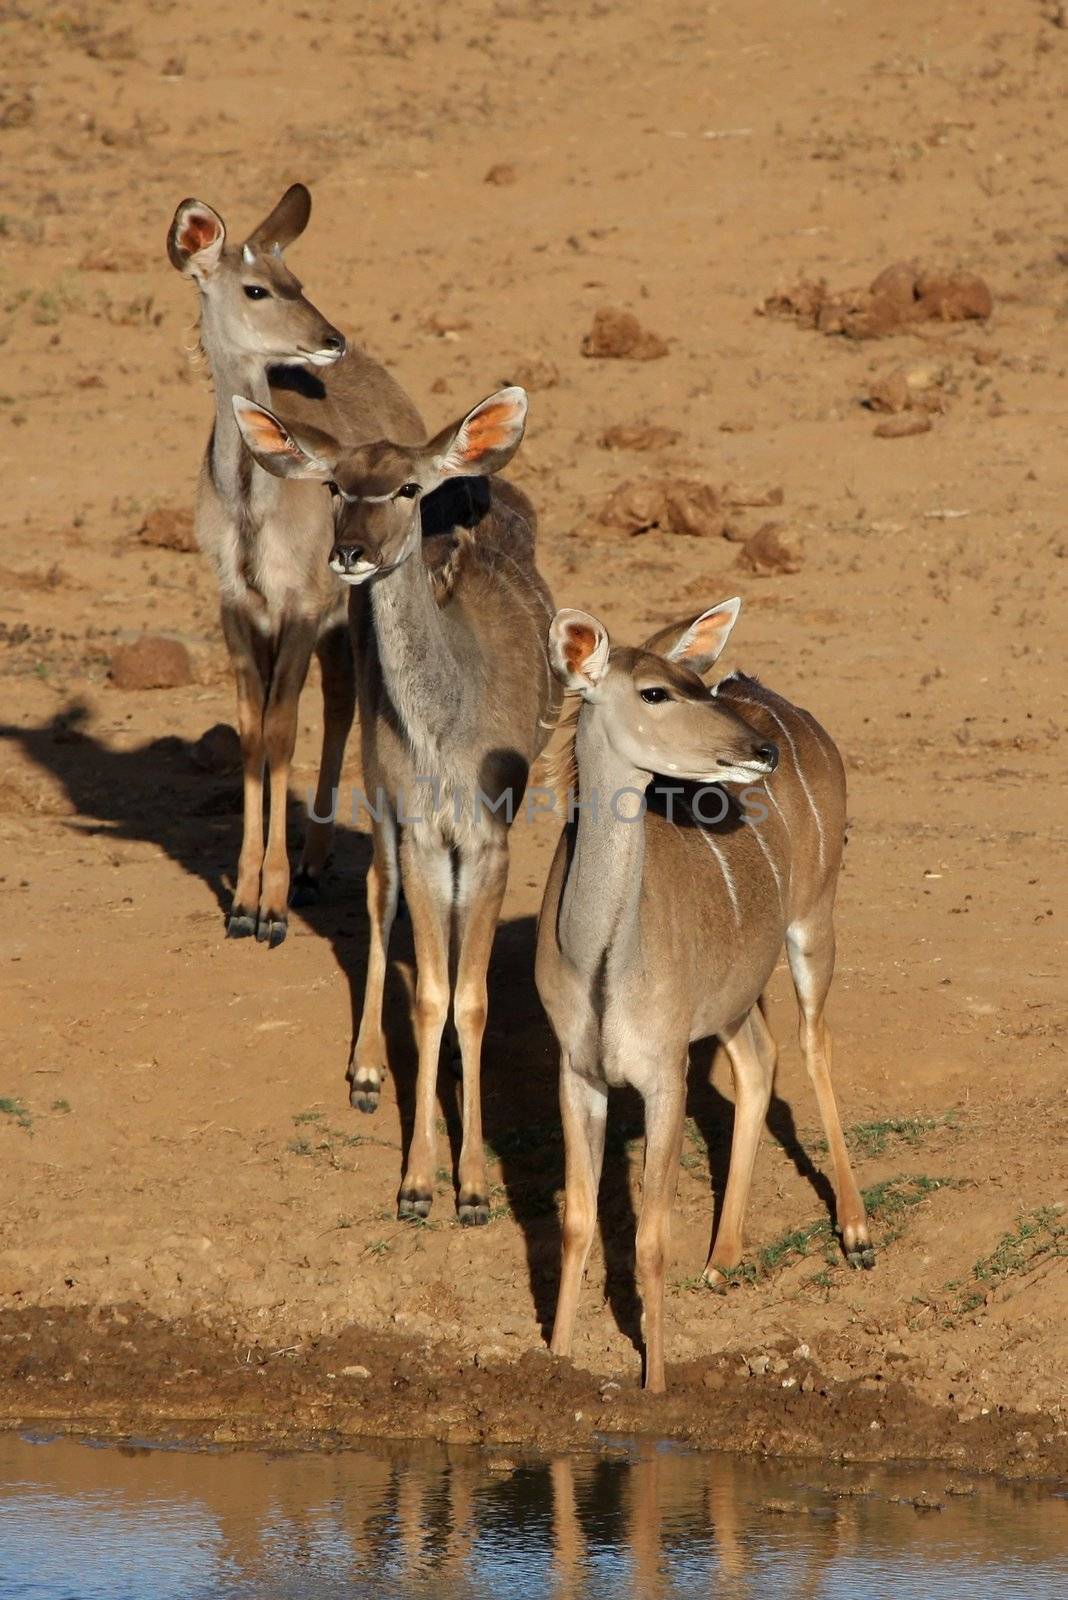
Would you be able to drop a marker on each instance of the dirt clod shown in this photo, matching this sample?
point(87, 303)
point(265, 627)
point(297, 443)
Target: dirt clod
point(151, 662)
point(768, 554)
point(902, 427)
point(168, 528)
point(501, 174)
point(901, 296)
point(637, 436)
point(684, 506)
point(618, 335)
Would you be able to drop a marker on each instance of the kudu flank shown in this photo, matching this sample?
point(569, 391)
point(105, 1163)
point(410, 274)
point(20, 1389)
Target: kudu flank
point(656, 931)
point(455, 698)
point(269, 540)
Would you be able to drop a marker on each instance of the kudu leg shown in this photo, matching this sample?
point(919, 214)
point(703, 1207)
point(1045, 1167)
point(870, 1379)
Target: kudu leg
point(479, 892)
point(338, 672)
point(665, 1116)
point(810, 950)
point(248, 655)
point(369, 1056)
point(584, 1113)
point(752, 1053)
point(428, 887)
point(293, 653)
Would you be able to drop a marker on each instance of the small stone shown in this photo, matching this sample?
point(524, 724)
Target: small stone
point(637, 436)
point(779, 1365)
point(535, 373)
point(618, 335)
point(355, 1372)
point(903, 427)
point(767, 553)
point(168, 528)
point(758, 1365)
point(151, 662)
point(501, 174)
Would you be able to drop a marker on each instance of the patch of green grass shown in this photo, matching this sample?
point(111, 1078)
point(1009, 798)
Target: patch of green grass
point(378, 1247)
point(872, 1138)
point(308, 1116)
point(1038, 1236)
point(60, 1105)
point(12, 1106)
point(327, 1142)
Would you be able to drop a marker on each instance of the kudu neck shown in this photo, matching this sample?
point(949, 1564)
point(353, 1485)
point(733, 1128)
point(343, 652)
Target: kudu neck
point(246, 376)
point(425, 681)
point(601, 897)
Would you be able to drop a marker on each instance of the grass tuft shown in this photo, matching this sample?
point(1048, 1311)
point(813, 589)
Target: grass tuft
point(12, 1106)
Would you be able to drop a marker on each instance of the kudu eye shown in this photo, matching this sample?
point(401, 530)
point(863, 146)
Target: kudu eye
point(654, 696)
point(408, 491)
point(334, 490)
point(255, 291)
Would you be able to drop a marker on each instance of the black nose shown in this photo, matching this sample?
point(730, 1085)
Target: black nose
point(769, 754)
point(346, 556)
point(335, 341)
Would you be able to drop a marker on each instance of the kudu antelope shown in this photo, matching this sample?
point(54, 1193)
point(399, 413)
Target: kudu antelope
point(455, 697)
point(663, 918)
point(269, 540)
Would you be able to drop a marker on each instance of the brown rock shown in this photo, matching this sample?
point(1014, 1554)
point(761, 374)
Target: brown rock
point(891, 393)
point(684, 506)
point(954, 297)
point(637, 436)
point(903, 427)
point(896, 284)
point(168, 529)
point(535, 373)
point(151, 662)
point(767, 554)
point(901, 295)
point(618, 335)
point(501, 174)
point(747, 494)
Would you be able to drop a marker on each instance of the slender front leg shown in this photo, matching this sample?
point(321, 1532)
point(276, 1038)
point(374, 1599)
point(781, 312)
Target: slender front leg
point(428, 887)
point(336, 666)
point(810, 950)
point(295, 643)
point(369, 1056)
point(481, 883)
point(665, 1108)
point(753, 1065)
point(584, 1112)
point(251, 668)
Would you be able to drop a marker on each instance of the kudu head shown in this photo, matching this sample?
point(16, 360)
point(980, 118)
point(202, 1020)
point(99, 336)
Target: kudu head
point(653, 709)
point(250, 302)
point(377, 487)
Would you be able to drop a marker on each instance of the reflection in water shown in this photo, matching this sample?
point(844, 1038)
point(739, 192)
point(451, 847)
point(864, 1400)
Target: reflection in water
point(79, 1523)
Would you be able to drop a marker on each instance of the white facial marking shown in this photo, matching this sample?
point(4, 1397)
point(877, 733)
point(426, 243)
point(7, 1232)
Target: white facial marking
point(248, 255)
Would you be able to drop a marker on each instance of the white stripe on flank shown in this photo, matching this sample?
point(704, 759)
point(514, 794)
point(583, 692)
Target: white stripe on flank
point(754, 828)
point(723, 867)
point(759, 706)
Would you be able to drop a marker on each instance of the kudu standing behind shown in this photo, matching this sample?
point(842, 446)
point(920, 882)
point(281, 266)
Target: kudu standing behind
point(661, 926)
point(269, 540)
point(456, 698)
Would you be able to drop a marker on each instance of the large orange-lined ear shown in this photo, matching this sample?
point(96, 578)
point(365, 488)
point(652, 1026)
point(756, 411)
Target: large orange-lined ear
point(286, 222)
point(196, 238)
point(697, 644)
point(314, 455)
point(578, 650)
point(483, 441)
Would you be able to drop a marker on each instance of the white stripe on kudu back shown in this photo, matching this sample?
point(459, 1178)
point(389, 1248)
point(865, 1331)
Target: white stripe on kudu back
point(779, 723)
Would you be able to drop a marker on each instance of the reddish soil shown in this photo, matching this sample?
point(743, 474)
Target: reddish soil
point(175, 1138)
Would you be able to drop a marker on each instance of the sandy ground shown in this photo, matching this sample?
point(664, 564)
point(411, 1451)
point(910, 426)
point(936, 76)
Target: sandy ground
point(175, 1138)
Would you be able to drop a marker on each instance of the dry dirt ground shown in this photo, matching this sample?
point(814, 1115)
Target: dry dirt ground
point(194, 1223)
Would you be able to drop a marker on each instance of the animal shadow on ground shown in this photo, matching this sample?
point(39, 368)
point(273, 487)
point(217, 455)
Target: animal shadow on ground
point(156, 793)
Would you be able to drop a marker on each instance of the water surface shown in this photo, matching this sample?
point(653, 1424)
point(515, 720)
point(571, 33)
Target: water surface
point(79, 1522)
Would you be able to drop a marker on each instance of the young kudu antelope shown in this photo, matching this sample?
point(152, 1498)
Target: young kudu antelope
point(663, 918)
point(269, 540)
point(455, 700)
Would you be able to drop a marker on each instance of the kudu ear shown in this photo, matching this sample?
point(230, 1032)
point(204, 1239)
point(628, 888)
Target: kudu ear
point(314, 455)
point(578, 650)
point(196, 239)
point(698, 643)
point(483, 441)
point(286, 222)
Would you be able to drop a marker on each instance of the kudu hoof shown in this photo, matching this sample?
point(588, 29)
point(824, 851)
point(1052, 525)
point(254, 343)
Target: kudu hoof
point(240, 924)
point(473, 1212)
point(363, 1095)
point(414, 1205)
point(271, 930)
point(863, 1256)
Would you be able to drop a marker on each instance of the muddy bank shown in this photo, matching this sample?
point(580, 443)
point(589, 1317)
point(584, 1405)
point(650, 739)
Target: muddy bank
point(127, 1374)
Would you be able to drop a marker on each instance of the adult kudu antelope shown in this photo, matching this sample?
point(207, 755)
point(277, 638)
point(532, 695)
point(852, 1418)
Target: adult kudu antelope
point(663, 918)
point(268, 539)
point(455, 701)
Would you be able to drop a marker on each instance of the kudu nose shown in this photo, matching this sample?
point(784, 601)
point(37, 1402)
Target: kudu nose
point(768, 753)
point(346, 556)
point(335, 342)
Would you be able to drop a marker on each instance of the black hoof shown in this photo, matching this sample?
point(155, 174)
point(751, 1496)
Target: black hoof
point(414, 1205)
point(271, 931)
point(363, 1095)
point(473, 1213)
point(240, 924)
point(864, 1257)
point(306, 890)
